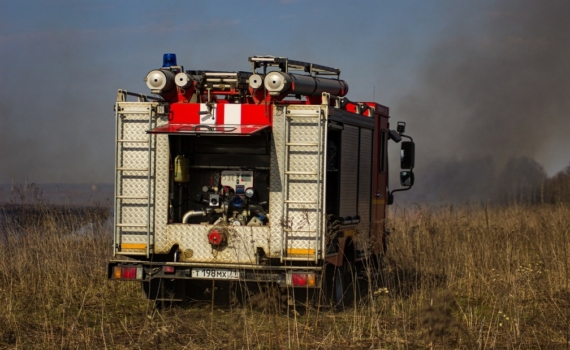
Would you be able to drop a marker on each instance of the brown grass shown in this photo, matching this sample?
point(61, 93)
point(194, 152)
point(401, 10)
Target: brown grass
point(474, 277)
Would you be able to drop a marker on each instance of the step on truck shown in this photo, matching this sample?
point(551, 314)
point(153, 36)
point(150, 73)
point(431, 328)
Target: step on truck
point(271, 176)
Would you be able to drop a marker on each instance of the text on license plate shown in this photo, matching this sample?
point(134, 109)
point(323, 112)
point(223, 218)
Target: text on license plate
point(221, 274)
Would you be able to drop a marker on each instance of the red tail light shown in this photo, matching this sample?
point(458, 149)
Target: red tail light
point(302, 279)
point(129, 273)
point(299, 279)
point(168, 269)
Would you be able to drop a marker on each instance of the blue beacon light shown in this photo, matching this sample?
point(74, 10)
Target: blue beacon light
point(169, 59)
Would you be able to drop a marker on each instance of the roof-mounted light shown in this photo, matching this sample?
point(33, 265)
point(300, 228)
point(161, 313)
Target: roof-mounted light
point(169, 60)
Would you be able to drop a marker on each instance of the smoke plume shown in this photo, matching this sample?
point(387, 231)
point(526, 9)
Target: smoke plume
point(491, 91)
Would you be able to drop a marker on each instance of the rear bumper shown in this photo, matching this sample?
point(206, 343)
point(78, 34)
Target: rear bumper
point(148, 271)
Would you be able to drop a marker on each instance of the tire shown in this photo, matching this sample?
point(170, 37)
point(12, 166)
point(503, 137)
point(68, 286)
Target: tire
point(343, 286)
point(372, 275)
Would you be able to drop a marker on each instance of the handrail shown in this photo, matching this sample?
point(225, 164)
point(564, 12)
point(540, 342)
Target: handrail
point(122, 96)
point(213, 128)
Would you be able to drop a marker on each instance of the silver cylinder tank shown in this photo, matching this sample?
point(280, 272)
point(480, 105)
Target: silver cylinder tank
point(255, 81)
point(278, 83)
point(183, 80)
point(159, 80)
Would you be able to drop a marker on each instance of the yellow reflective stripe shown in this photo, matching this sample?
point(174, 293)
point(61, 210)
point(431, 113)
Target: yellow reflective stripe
point(133, 246)
point(300, 251)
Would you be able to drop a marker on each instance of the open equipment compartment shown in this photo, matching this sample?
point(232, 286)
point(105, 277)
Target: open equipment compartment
point(222, 180)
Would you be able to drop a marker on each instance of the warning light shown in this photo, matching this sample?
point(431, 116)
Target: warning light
point(169, 60)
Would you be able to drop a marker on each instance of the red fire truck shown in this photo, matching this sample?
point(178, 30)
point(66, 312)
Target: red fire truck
point(270, 176)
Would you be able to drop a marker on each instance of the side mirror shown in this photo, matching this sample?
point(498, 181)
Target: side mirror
point(406, 178)
point(401, 128)
point(407, 155)
point(394, 136)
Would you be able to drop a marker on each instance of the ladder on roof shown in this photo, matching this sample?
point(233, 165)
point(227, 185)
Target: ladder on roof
point(134, 150)
point(302, 193)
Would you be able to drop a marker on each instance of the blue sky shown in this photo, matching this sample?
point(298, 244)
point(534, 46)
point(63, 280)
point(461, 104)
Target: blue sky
point(63, 62)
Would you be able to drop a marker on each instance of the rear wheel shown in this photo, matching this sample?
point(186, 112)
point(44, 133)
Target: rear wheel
point(374, 273)
point(340, 285)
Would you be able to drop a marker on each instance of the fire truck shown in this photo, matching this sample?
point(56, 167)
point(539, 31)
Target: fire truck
point(270, 176)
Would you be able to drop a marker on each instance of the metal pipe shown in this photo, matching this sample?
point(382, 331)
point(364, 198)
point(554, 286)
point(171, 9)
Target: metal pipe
point(192, 213)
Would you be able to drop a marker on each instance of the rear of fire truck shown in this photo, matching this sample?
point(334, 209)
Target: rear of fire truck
point(269, 176)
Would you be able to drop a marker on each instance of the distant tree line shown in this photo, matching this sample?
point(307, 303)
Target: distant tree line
point(477, 179)
point(555, 189)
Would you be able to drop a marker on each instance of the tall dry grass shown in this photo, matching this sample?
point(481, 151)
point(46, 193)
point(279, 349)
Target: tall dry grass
point(471, 277)
point(483, 277)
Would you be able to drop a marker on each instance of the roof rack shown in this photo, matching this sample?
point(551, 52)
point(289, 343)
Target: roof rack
point(285, 65)
point(226, 77)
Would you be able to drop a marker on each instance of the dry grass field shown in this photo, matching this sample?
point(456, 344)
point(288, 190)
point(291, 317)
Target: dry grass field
point(471, 277)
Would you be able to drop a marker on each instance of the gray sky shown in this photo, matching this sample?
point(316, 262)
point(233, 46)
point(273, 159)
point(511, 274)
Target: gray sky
point(470, 78)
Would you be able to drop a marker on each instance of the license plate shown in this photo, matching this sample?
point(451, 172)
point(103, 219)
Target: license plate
point(216, 274)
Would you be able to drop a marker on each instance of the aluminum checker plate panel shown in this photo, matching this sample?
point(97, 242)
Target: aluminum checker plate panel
point(275, 180)
point(133, 123)
point(300, 223)
point(243, 242)
point(133, 119)
point(160, 193)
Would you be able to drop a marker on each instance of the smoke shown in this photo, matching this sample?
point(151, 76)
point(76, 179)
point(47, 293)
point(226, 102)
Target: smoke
point(59, 87)
point(492, 87)
point(489, 91)
point(51, 125)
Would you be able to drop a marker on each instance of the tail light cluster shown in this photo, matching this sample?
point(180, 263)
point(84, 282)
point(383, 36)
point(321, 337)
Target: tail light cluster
point(127, 273)
point(296, 279)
